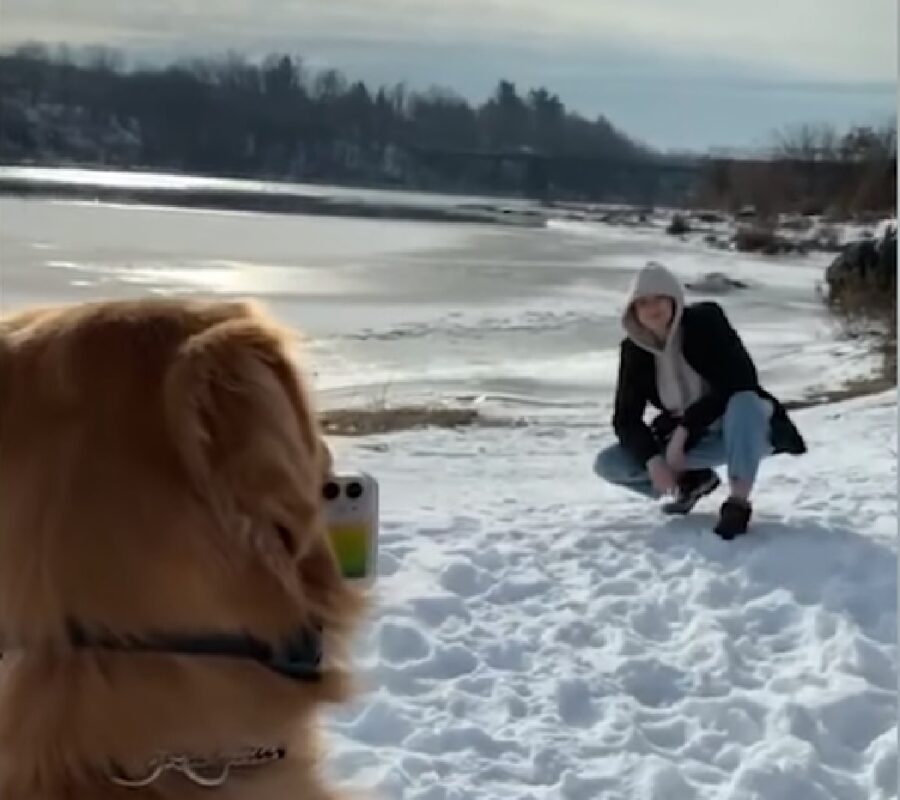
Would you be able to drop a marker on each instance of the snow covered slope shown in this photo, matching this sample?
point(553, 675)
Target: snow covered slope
point(541, 635)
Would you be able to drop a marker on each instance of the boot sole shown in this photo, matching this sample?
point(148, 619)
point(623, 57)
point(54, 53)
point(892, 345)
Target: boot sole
point(675, 508)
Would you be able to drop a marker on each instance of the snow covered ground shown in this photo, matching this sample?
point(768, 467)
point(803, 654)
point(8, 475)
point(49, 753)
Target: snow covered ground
point(538, 635)
point(541, 635)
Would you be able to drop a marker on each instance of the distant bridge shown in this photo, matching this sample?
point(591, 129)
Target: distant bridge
point(534, 173)
point(646, 179)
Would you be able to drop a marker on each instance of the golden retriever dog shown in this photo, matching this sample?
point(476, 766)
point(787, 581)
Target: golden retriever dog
point(172, 616)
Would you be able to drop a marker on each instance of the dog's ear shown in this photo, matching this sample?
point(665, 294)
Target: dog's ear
point(242, 422)
point(5, 359)
point(8, 327)
point(5, 378)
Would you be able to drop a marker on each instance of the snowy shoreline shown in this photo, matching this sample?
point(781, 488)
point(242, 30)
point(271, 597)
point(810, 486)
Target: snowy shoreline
point(368, 422)
point(791, 233)
point(239, 195)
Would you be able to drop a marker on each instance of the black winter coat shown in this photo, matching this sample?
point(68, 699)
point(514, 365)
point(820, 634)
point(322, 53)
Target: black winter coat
point(715, 351)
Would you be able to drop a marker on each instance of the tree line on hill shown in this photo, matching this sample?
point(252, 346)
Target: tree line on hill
point(278, 119)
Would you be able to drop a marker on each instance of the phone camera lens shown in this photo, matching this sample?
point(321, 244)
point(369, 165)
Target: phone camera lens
point(354, 490)
point(331, 490)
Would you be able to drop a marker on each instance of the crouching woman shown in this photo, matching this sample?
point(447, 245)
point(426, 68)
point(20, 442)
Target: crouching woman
point(689, 363)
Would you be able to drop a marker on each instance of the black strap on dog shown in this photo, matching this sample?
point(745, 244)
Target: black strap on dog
point(298, 658)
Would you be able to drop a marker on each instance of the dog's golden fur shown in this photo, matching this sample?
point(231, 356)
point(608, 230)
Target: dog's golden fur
point(160, 471)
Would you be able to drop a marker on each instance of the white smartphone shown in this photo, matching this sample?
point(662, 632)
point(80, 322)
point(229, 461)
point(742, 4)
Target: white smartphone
point(351, 507)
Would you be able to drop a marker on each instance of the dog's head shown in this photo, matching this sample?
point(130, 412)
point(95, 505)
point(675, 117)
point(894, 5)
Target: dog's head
point(160, 472)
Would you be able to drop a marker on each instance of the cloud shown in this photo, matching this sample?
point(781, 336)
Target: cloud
point(817, 39)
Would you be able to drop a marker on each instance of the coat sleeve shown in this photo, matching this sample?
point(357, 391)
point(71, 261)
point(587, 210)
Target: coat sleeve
point(729, 368)
point(631, 401)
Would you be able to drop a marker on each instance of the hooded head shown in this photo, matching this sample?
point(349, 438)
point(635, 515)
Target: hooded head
point(653, 281)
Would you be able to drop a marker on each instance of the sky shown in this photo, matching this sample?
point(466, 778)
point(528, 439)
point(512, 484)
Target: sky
point(675, 74)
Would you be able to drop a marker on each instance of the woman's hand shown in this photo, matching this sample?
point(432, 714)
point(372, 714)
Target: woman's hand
point(675, 449)
point(661, 475)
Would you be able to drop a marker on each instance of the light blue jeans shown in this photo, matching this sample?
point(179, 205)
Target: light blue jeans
point(741, 443)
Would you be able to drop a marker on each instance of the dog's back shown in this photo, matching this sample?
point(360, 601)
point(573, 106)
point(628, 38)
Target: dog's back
point(160, 469)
